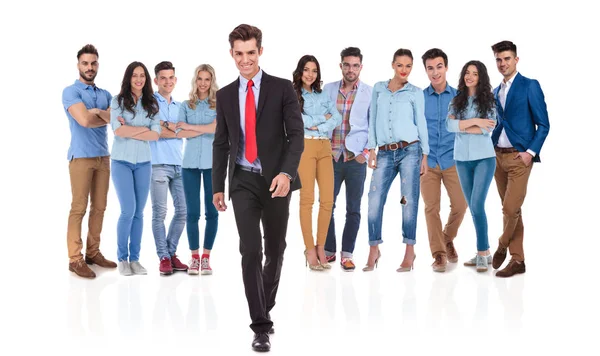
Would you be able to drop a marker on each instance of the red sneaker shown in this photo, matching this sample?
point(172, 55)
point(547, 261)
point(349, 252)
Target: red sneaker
point(165, 266)
point(194, 266)
point(205, 265)
point(177, 264)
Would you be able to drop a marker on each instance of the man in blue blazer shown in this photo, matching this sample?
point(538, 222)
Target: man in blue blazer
point(518, 138)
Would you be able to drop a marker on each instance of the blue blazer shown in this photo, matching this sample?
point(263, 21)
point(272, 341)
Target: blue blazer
point(525, 117)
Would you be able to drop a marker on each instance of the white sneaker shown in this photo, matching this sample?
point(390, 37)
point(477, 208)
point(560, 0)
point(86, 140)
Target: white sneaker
point(137, 268)
point(125, 268)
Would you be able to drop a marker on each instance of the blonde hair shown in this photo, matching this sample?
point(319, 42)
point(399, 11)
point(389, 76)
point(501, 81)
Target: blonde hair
point(212, 91)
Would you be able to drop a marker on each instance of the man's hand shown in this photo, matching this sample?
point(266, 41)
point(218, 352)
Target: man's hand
point(525, 156)
point(360, 159)
point(424, 166)
point(281, 185)
point(94, 111)
point(372, 159)
point(219, 201)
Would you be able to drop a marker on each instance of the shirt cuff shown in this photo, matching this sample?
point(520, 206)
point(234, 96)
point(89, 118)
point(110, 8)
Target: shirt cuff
point(533, 154)
point(287, 175)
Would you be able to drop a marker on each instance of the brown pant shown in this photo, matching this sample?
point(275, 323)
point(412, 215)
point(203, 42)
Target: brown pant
point(89, 177)
point(316, 163)
point(512, 176)
point(431, 193)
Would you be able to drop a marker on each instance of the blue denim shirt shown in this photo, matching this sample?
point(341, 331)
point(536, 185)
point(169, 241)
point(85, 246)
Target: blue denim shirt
point(397, 116)
point(467, 146)
point(316, 106)
point(86, 142)
point(441, 141)
point(241, 154)
point(129, 149)
point(167, 150)
point(198, 150)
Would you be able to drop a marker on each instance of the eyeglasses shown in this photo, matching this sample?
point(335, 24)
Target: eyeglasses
point(355, 66)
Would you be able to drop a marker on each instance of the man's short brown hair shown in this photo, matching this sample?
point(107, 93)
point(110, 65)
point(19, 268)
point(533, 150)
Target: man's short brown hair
point(245, 33)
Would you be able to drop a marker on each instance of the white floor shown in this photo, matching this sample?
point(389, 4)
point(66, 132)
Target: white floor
point(382, 312)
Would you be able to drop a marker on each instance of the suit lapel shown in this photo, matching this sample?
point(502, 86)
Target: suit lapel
point(235, 109)
point(262, 96)
point(513, 88)
point(499, 108)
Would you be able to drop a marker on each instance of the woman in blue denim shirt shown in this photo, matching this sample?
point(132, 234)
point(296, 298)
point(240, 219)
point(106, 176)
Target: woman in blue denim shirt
point(134, 122)
point(472, 115)
point(320, 116)
point(197, 123)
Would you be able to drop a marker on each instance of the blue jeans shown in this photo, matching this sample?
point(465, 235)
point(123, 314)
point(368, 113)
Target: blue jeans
point(354, 174)
point(167, 177)
point(132, 183)
point(406, 162)
point(475, 179)
point(191, 187)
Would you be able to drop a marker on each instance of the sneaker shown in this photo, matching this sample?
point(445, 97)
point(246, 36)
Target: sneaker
point(482, 263)
point(205, 266)
point(330, 258)
point(177, 264)
point(125, 268)
point(194, 268)
point(81, 269)
point(165, 266)
point(137, 268)
point(473, 261)
point(347, 264)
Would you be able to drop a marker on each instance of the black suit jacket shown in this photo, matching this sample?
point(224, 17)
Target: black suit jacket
point(279, 131)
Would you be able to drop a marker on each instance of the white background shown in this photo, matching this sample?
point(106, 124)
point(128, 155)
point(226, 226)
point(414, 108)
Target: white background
point(45, 308)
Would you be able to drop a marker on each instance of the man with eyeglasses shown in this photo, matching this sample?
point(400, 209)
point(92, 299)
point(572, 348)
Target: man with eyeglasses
point(348, 146)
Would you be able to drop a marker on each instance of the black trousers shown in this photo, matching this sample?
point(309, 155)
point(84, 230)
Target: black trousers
point(252, 204)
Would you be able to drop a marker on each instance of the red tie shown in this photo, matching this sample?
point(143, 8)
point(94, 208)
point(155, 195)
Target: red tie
point(251, 151)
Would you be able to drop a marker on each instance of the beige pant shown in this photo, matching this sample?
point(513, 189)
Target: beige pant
point(90, 177)
point(315, 164)
point(431, 193)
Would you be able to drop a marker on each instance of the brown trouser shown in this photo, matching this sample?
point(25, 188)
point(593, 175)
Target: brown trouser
point(89, 177)
point(315, 163)
point(511, 179)
point(431, 193)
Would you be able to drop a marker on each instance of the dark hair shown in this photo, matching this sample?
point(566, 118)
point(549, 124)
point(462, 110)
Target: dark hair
point(484, 98)
point(163, 66)
point(402, 52)
point(297, 78)
point(351, 52)
point(125, 97)
point(245, 33)
point(432, 54)
point(505, 46)
point(87, 49)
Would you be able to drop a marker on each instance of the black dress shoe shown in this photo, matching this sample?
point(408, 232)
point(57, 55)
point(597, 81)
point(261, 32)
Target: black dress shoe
point(261, 342)
point(271, 330)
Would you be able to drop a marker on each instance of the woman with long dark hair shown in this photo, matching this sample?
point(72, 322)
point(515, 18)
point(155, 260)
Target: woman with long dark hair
point(320, 117)
point(472, 115)
point(134, 122)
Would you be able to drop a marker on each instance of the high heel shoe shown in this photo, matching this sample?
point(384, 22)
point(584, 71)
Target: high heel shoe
point(368, 268)
point(409, 268)
point(317, 267)
point(325, 265)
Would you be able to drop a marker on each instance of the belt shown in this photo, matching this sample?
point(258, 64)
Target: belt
point(316, 138)
point(396, 145)
point(249, 169)
point(505, 149)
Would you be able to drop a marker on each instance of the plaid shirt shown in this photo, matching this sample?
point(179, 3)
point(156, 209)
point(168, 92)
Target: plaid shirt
point(344, 105)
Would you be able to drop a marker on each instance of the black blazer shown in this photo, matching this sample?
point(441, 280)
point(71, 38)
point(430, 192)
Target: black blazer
point(279, 131)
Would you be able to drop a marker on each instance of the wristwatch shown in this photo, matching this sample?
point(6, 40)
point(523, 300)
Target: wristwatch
point(166, 124)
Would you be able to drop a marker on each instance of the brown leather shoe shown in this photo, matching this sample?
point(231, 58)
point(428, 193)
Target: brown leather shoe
point(451, 252)
point(100, 261)
point(81, 269)
point(513, 267)
point(499, 257)
point(439, 265)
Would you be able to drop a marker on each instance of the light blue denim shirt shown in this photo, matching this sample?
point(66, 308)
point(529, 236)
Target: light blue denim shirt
point(241, 154)
point(86, 142)
point(167, 150)
point(316, 106)
point(129, 149)
point(471, 147)
point(441, 141)
point(397, 116)
point(198, 150)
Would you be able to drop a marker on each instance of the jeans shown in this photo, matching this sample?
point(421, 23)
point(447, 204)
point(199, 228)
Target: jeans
point(406, 162)
point(191, 187)
point(167, 177)
point(475, 179)
point(354, 174)
point(132, 183)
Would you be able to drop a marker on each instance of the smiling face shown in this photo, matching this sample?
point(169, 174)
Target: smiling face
point(138, 80)
point(351, 67)
point(471, 78)
point(203, 80)
point(309, 74)
point(165, 80)
point(88, 68)
point(246, 55)
point(506, 62)
point(436, 71)
point(402, 66)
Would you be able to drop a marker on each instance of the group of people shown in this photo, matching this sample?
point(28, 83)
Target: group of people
point(267, 136)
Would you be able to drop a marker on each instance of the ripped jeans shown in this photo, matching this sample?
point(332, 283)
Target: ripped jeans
point(406, 162)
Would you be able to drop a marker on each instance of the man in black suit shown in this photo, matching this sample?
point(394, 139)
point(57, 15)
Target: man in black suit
point(260, 131)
